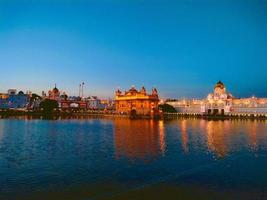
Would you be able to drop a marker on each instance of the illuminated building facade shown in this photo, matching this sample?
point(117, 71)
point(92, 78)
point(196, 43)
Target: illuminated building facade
point(218, 102)
point(134, 102)
point(221, 102)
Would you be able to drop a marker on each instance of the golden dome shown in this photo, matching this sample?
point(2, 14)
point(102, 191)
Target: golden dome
point(133, 90)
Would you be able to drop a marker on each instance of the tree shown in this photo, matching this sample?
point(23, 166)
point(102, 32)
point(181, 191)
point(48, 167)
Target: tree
point(34, 97)
point(166, 108)
point(48, 105)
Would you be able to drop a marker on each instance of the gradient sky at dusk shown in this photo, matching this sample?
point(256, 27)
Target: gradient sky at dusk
point(181, 47)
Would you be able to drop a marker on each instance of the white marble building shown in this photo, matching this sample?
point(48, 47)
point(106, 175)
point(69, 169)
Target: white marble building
point(221, 102)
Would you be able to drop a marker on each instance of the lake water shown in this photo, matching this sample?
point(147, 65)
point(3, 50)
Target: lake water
point(132, 159)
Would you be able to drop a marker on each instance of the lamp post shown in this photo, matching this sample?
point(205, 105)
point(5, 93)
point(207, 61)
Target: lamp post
point(82, 88)
point(79, 90)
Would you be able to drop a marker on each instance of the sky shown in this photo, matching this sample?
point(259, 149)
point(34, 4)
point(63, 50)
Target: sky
point(181, 47)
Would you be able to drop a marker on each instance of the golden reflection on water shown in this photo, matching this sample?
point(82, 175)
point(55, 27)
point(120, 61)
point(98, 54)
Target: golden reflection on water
point(146, 139)
point(162, 137)
point(139, 139)
point(253, 136)
point(222, 137)
point(184, 136)
point(217, 132)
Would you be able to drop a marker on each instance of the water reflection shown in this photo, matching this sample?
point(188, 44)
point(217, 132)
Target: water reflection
point(1, 130)
point(139, 139)
point(60, 154)
point(184, 136)
point(162, 137)
point(221, 137)
point(216, 137)
point(144, 139)
point(253, 136)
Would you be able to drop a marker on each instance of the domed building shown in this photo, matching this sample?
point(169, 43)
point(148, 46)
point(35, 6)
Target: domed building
point(219, 101)
point(134, 102)
point(219, 92)
point(54, 94)
point(219, 89)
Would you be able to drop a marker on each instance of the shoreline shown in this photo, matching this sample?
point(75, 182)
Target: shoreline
point(240, 116)
point(69, 115)
point(99, 114)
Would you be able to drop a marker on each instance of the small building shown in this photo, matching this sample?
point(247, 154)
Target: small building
point(94, 103)
point(11, 91)
point(134, 102)
point(108, 104)
point(19, 100)
point(13, 100)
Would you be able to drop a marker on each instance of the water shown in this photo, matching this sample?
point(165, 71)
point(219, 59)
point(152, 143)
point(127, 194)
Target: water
point(132, 159)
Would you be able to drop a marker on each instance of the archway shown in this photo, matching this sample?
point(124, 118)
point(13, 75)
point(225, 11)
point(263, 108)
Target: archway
point(133, 112)
point(215, 111)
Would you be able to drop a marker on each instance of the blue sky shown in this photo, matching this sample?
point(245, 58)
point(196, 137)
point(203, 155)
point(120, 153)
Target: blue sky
point(181, 47)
